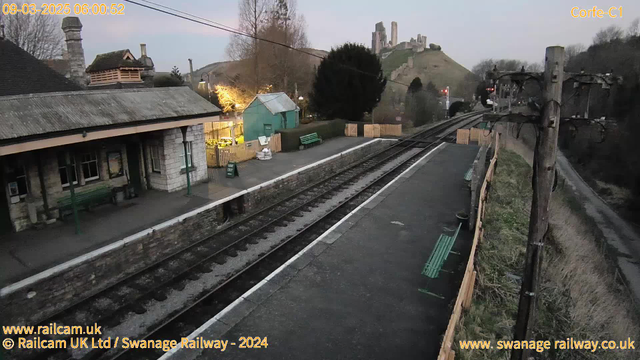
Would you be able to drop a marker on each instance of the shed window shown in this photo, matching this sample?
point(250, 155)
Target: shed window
point(89, 165)
point(189, 156)
point(268, 129)
point(155, 158)
point(62, 170)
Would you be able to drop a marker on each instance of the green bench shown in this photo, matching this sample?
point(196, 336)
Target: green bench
point(468, 174)
point(438, 256)
point(309, 139)
point(85, 199)
point(440, 253)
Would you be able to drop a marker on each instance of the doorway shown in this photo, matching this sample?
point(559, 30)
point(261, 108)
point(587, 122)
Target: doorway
point(6, 226)
point(133, 158)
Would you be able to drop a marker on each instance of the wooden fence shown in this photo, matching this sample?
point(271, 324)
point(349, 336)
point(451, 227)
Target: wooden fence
point(378, 130)
point(351, 130)
point(481, 136)
point(462, 136)
point(240, 152)
point(465, 295)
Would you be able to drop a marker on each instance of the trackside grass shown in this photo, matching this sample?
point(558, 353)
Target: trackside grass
point(579, 297)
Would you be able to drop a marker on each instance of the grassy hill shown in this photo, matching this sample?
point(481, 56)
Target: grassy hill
point(429, 65)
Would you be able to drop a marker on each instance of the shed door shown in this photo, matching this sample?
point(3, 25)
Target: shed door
point(268, 130)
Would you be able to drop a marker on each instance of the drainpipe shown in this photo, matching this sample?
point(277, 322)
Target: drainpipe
point(186, 158)
point(43, 188)
point(71, 190)
point(147, 175)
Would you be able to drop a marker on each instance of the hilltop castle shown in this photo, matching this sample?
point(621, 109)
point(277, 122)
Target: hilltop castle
point(379, 40)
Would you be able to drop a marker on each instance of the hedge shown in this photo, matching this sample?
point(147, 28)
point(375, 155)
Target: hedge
point(325, 129)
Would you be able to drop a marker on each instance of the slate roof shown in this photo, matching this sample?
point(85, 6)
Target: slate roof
point(275, 102)
point(61, 66)
point(113, 60)
point(63, 113)
point(22, 73)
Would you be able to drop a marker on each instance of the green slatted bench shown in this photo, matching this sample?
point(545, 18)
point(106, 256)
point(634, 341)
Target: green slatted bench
point(468, 174)
point(309, 139)
point(438, 256)
point(85, 199)
point(440, 253)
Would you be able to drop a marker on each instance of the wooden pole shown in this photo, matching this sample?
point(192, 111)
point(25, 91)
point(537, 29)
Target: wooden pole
point(544, 163)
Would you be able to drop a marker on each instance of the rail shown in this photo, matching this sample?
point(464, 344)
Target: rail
point(350, 173)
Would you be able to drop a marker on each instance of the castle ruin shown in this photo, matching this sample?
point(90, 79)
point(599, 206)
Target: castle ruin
point(379, 40)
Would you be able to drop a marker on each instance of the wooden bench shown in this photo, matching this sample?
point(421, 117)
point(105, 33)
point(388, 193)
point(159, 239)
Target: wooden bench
point(439, 254)
point(309, 139)
point(85, 199)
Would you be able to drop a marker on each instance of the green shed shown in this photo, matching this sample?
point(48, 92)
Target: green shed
point(267, 113)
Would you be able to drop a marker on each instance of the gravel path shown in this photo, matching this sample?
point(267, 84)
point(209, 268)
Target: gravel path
point(620, 235)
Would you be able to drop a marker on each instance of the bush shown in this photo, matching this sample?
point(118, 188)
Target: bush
point(325, 129)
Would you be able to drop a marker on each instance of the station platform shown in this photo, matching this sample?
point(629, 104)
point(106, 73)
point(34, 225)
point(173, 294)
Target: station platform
point(29, 252)
point(354, 292)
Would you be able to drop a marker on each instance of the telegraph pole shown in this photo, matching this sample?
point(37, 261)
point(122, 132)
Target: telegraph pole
point(544, 164)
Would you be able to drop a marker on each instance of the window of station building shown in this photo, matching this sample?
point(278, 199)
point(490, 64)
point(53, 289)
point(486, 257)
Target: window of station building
point(62, 170)
point(17, 183)
point(155, 152)
point(89, 164)
point(189, 156)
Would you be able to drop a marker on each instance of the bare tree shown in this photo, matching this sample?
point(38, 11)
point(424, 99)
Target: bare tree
point(483, 66)
point(37, 34)
point(535, 67)
point(252, 15)
point(571, 51)
point(634, 28)
point(608, 34)
point(286, 27)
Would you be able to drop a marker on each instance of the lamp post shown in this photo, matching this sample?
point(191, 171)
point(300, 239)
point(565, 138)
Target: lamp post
point(206, 83)
point(299, 100)
point(233, 122)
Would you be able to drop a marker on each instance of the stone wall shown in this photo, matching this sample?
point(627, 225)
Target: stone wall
point(19, 211)
point(171, 176)
point(285, 187)
point(34, 302)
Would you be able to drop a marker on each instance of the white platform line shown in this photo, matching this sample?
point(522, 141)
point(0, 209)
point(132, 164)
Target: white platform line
point(229, 307)
point(141, 234)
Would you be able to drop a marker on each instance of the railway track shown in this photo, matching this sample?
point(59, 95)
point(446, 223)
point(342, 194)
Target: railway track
point(153, 285)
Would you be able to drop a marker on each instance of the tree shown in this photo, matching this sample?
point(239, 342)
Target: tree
point(349, 82)
point(175, 73)
point(281, 66)
point(251, 15)
point(609, 34)
point(431, 89)
point(415, 86)
point(571, 51)
point(39, 35)
point(634, 28)
point(173, 79)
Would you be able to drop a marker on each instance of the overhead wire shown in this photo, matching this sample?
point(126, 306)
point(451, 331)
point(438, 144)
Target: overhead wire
point(207, 22)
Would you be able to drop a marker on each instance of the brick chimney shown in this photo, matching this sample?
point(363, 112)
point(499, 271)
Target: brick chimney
point(72, 27)
point(149, 69)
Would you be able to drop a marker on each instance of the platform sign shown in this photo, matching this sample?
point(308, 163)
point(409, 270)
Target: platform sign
point(232, 169)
